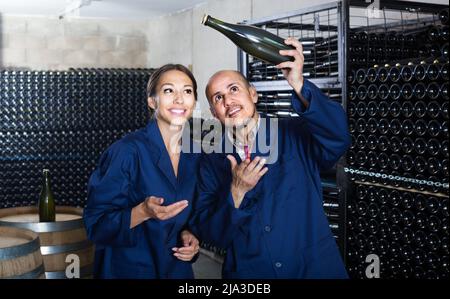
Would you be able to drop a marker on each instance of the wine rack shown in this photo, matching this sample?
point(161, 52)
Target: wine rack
point(389, 69)
point(63, 121)
point(397, 109)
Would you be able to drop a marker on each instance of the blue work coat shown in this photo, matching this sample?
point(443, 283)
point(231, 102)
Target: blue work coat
point(131, 169)
point(280, 230)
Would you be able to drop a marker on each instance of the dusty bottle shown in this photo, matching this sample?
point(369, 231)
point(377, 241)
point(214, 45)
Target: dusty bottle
point(46, 200)
point(255, 41)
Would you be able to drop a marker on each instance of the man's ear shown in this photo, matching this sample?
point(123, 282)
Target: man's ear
point(253, 94)
point(151, 102)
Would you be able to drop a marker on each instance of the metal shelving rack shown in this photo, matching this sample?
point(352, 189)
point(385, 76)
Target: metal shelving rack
point(340, 19)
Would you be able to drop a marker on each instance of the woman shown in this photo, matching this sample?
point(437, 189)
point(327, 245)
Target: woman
point(139, 197)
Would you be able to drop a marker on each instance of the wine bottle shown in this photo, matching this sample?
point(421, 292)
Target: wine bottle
point(361, 92)
point(407, 91)
point(372, 108)
point(383, 91)
point(372, 92)
point(394, 74)
point(407, 109)
point(408, 127)
point(443, 72)
point(434, 128)
point(434, 147)
point(420, 146)
point(443, 91)
point(406, 73)
point(443, 16)
point(420, 109)
point(433, 109)
point(419, 91)
point(395, 92)
point(372, 125)
point(395, 144)
point(361, 76)
point(255, 41)
point(395, 126)
point(46, 200)
point(372, 75)
point(383, 109)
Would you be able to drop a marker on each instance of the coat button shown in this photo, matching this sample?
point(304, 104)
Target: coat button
point(267, 228)
point(278, 264)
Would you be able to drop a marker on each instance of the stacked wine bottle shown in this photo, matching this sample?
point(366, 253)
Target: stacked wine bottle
point(398, 119)
point(63, 121)
point(321, 60)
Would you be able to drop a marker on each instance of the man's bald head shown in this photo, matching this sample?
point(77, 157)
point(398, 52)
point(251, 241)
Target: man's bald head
point(221, 73)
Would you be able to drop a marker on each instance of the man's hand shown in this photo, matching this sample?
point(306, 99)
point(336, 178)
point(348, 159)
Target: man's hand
point(293, 70)
point(190, 247)
point(153, 208)
point(245, 177)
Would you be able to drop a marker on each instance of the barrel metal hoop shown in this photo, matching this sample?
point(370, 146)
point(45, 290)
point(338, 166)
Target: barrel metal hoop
point(35, 273)
point(84, 272)
point(54, 249)
point(46, 227)
point(19, 250)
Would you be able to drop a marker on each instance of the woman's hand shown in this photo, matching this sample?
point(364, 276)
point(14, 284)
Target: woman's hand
point(190, 247)
point(152, 208)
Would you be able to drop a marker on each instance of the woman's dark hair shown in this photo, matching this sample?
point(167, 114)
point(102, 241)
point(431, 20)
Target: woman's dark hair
point(156, 75)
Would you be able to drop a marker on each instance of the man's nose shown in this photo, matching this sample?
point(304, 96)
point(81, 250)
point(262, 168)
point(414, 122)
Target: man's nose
point(228, 100)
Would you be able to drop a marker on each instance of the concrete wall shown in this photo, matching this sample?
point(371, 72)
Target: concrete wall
point(49, 43)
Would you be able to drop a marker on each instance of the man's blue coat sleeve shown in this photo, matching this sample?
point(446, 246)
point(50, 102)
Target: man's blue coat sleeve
point(326, 122)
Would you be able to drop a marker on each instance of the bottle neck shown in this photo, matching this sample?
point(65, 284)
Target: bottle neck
point(221, 26)
point(46, 181)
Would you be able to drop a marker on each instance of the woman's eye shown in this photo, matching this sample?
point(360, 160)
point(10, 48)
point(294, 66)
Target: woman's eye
point(188, 91)
point(167, 90)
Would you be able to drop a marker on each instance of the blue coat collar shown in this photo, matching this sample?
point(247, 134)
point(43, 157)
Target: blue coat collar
point(263, 130)
point(161, 156)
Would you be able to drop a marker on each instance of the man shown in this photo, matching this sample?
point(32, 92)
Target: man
point(269, 217)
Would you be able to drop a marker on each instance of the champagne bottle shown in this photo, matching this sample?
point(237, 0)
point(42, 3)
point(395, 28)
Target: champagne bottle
point(255, 41)
point(46, 200)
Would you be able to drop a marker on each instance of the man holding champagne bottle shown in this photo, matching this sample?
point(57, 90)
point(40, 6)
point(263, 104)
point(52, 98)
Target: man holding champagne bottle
point(269, 217)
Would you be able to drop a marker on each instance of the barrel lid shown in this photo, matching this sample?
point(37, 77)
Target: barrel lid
point(16, 242)
point(7, 218)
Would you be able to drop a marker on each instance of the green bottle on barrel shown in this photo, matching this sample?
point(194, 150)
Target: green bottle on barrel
point(46, 200)
point(255, 41)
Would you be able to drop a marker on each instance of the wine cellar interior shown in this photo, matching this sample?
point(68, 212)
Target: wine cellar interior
point(387, 67)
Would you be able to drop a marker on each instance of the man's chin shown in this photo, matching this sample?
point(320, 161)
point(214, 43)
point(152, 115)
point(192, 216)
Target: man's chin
point(237, 122)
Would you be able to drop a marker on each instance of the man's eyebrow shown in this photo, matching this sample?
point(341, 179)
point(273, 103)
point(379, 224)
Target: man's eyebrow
point(228, 86)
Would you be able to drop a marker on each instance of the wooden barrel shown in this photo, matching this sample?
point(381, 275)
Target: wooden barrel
point(59, 240)
point(20, 257)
